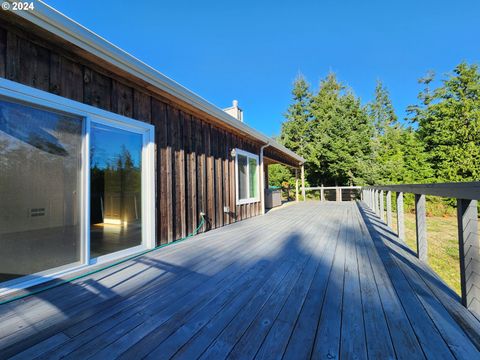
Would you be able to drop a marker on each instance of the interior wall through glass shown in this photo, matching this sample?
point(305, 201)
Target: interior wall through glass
point(40, 176)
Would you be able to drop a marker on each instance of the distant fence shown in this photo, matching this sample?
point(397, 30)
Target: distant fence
point(336, 193)
point(466, 194)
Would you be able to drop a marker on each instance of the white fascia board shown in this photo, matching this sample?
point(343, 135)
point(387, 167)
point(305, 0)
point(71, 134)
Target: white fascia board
point(59, 24)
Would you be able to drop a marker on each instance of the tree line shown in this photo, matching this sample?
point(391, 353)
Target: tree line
point(346, 142)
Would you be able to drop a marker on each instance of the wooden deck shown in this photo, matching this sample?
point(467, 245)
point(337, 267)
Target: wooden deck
point(311, 280)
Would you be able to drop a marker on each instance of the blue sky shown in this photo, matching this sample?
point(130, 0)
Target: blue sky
point(252, 50)
point(108, 145)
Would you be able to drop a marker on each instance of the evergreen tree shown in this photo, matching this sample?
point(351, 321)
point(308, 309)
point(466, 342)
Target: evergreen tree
point(295, 134)
point(279, 175)
point(415, 166)
point(448, 122)
point(295, 130)
point(381, 110)
point(341, 135)
point(388, 152)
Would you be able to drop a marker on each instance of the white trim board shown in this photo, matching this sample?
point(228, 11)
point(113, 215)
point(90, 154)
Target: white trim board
point(248, 155)
point(59, 24)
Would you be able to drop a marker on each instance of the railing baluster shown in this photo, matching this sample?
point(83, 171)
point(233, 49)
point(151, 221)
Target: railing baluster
point(373, 202)
point(467, 195)
point(421, 227)
point(382, 206)
point(389, 209)
point(400, 217)
point(469, 247)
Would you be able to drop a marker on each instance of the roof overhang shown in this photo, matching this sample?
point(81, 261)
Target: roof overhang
point(62, 26)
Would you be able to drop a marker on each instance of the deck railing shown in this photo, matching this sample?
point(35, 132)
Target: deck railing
point(466, 195)
point(352, 192)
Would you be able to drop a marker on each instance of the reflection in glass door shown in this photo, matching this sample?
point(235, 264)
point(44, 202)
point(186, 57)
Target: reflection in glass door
point(40, 167)
point(115, 189)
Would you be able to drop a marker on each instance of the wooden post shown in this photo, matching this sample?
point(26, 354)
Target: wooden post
point(338, 194)
point(389, 209)
point(374, 208)
point(322, 194)
point(421, 227)
point(377, 203)
point(296, 185)
point(374, 196)
point(469, 251)
point(375, 199)
point(303, 182)
point(382, 206)
point(400, 217)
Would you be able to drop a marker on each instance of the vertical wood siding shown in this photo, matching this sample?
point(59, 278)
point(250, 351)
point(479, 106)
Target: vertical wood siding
point(194, 169)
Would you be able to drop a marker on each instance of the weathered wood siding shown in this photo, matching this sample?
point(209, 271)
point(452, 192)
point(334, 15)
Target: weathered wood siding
point(195, 172)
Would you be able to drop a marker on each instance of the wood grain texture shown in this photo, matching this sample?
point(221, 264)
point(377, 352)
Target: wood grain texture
point(66, 78)
point(97, 89)
point(421, 227)
point(469, 253)
point(142, 106)
point(3, 52)
point(400, 217)
point(164, 182)
point(122, 99)
point(311, 280)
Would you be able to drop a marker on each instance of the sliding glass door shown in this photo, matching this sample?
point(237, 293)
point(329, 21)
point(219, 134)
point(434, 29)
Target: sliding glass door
point(40, 166)
point(115, 189)
point(77, 186)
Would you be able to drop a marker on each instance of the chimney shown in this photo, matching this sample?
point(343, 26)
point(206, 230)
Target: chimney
point(235, 111)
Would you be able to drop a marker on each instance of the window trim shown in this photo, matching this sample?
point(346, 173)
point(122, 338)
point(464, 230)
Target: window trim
point(19, 93)
point(249, 155)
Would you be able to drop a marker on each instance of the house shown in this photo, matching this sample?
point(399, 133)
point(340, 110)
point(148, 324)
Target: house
point(102, 156)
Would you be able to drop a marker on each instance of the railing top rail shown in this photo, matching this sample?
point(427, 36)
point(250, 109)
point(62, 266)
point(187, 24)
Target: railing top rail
point(332, 187)
point(458, 190)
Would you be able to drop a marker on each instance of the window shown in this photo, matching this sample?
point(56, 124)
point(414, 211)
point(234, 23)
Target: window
point(76, 186)
point(246, 165)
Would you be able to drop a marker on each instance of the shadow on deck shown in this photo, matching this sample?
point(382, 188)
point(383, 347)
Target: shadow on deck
point(311, 280)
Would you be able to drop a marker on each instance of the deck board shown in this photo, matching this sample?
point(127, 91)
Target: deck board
point(310, 280)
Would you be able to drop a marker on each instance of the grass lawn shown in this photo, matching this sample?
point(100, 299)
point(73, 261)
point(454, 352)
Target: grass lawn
point(442, 246)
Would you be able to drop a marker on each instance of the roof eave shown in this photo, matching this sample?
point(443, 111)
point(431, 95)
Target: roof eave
point(61, 25)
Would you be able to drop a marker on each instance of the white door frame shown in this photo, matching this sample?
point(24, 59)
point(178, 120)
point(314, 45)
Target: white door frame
point(16, 92)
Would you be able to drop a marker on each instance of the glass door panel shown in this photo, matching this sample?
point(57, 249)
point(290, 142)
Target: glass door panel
point(40, 182)
point(115, 189)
